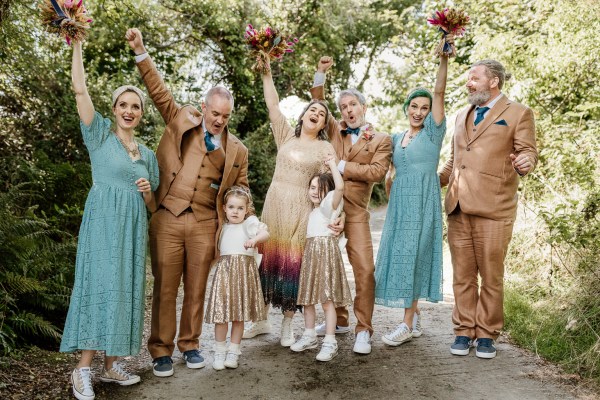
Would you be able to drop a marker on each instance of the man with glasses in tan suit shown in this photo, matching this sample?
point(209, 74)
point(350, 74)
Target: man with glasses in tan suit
point(365, 156)
point(493, 144)
point(198, 161)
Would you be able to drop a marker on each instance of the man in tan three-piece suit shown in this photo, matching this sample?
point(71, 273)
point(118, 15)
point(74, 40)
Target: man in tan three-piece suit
point(493, 144)
point(364, 156)
point(198, 161)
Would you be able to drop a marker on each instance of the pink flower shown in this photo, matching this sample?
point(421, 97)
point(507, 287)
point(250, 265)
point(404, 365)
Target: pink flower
point(296, 40)
point(69, 3)
point(268, 31)
point(80, 2)
point(289, 50)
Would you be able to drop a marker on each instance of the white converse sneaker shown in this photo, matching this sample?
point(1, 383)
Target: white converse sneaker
point(256, 328)
point(339, 330)
point(328, 351)
point(81, 378)
point(287, 333)
point(119, 376)
point(362, 343)
point(417, 329)
point(306, 342)
point(219, 361)
point(231, 361)
point(400, 335)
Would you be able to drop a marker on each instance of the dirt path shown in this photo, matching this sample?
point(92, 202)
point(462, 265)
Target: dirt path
point(420, 369)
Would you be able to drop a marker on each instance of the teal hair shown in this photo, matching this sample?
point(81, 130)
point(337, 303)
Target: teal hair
point(418, 92)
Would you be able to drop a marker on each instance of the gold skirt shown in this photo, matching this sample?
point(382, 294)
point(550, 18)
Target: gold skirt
point(322, 276)
point(235, 294)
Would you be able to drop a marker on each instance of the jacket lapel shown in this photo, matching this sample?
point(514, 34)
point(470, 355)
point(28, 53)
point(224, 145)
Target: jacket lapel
point(192, 120)
point(230, 155)
point(357, 147)
point(500, 106)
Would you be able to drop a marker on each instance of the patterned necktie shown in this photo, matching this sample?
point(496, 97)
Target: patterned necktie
point(207, 139)
point(353, 131)
point(480, 111)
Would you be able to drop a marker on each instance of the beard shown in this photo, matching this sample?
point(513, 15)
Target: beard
point(480, 97)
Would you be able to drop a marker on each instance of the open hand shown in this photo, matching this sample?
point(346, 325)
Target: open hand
point(134, 37)
point(324, 64)
point(249, 244)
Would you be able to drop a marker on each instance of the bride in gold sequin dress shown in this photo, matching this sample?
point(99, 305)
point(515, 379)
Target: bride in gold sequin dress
point(300, 154)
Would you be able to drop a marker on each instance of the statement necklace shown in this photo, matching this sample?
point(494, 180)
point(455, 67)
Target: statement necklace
point(132, 149)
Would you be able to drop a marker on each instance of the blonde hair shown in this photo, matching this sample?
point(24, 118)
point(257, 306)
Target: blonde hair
point(241, 192)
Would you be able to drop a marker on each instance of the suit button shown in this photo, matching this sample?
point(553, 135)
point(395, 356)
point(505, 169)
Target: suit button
point(174, 173)
point(468, 149)
point(198, 176)
point(195, 189)
point(202, 165)
point(462, 167)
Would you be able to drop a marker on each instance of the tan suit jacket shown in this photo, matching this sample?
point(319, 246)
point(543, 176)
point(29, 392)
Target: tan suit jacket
point(187, 120)
point(367, 162)
point(479, 173)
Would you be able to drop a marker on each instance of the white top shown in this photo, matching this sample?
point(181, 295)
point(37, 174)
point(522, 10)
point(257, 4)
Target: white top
point(233, 237)
point(322, 216)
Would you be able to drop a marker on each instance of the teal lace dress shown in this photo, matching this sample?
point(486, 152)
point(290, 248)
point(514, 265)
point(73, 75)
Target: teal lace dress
point(409, 260)
point(106, 311)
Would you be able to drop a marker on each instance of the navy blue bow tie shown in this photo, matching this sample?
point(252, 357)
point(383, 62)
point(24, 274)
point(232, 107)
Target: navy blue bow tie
point(353, 131)
point(210, 146)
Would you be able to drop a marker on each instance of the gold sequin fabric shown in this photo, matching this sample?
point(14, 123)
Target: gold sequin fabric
point(235, 294)
point(322, 276)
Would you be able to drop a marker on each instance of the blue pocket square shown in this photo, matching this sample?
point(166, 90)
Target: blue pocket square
point(501, 122)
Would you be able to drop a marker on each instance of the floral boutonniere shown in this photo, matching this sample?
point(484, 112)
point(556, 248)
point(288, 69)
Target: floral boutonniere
point(368, 133)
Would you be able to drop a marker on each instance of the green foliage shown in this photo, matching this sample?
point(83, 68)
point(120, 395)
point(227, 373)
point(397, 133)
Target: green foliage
point(36, 273)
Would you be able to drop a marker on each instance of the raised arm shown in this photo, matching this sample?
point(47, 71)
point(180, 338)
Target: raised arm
point(338, 193)
point(437, 107)
point(271, 97)
point(159, 93)
point(317, 92)
point(85, 107)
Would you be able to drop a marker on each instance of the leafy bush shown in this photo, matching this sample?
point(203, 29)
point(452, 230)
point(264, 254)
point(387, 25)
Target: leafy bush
point(36, 274)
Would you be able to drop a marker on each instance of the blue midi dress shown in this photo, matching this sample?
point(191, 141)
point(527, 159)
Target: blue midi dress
point(409, 260)
point(106, 311)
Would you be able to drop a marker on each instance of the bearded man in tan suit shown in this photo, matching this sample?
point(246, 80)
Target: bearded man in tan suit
point(365, 156)
point(198, 161)
point(493, 144)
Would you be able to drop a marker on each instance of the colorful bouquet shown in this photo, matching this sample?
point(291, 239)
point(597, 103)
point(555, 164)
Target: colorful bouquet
point(66, 18)
point(267, 44)
point(449, 21)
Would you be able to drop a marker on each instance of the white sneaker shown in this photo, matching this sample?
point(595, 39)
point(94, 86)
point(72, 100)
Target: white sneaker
point(362, 343)
point(328, 351)
point(231, 361)
point(81, 378)
point(287, 333)
point(119, 376)
point(417, 329)
point(306, 342)
point(256, 328)
point(321, 329)
point(219, 361)
point(400, 335)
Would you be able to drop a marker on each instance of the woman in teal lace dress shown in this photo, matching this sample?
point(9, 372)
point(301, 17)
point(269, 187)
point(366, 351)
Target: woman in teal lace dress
point(409, 260)
point(106, 311)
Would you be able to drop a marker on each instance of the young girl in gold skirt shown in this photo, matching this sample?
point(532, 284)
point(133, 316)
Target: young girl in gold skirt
point(236, 295)
point(322, 275)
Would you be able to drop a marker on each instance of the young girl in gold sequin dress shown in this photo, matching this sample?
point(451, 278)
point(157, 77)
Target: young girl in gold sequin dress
point(322, 275)
point(236, 295)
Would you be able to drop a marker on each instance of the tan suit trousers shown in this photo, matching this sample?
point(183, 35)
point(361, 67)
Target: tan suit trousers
point(360, 255)
point(180, 247)
point(478, 247)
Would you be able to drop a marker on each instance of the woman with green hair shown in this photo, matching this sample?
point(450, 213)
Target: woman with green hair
point(409, 260)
